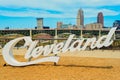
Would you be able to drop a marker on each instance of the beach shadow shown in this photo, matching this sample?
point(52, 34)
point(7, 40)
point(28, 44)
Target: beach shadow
point(87, 66)
point(7, 65)
point(71, 65)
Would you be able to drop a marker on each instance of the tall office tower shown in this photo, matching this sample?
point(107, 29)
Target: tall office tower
point(100, 18)
point(80, 18)
point(59, 25)
point(39, 23)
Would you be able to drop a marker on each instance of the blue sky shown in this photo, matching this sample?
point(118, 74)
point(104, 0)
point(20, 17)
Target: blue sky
point(23, 13)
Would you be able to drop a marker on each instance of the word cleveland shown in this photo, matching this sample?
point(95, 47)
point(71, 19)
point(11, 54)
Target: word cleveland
point(69, 45)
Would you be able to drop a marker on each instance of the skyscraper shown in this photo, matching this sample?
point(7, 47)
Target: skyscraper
point(59, 25)
point(80, 18)
point(100, 18)
point(39, 23)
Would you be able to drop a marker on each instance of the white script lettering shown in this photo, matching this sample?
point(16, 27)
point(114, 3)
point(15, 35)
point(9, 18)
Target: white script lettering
point(69, 45)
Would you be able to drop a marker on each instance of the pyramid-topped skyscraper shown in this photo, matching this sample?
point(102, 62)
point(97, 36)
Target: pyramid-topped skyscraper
point(80, 18)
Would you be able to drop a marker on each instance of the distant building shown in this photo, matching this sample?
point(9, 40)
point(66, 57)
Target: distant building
point(94, 26)
point(116, 23)
point(67, 26)
point(100, 18)
point(39, 23)
point(6, 27)
point(59, 25)
point(46, 27)
point(80, 18)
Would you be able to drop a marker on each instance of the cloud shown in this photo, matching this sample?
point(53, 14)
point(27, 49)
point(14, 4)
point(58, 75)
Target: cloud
point(98, 3)
point(31, 13)
point(56, 8)
point(88, 12)
point(57, 4)
point(46, 4)
point(106, 12)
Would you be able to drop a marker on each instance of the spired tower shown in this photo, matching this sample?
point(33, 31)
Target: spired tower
point(100, 18)
point(80, 18)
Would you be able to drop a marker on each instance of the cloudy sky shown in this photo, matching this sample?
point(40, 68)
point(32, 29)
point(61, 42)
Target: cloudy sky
point(23, 13)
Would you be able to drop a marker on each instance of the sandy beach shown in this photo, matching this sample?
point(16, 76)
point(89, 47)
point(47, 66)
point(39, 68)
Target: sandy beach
point(78, 65)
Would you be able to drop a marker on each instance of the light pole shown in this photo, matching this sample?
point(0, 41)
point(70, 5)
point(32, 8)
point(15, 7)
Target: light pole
point(81, 32)
point(31, 33)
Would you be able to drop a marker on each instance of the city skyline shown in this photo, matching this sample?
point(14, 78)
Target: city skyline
point(19, 14)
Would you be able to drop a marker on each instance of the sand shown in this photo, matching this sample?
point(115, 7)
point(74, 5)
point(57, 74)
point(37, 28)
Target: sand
point(78, 65)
